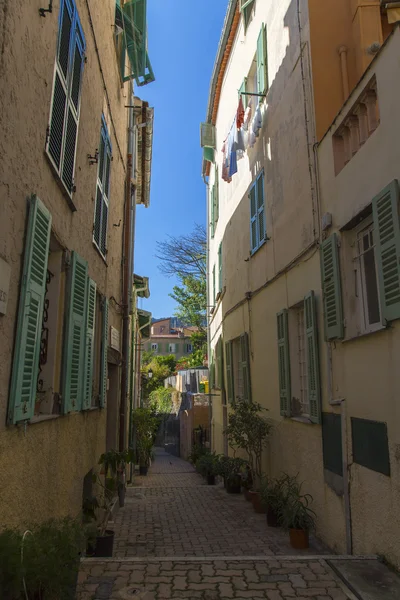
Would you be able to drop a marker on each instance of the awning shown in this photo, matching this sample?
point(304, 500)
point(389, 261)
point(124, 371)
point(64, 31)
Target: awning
point(144, 154)
point(144, 317)
point(135, 41)
point(142, 286)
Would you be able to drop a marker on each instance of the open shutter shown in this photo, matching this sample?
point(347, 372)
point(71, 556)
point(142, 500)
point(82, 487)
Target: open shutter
point(220, 268)
point(220, 378)
point(75, 336)
point(245, 363)
point(207, 135)
point(246, 6)
point(284, 363)
point(260, 209)
point(216, 196)
point(314, 384)
point(229, 372)
point(262, 76)
point(103, 356)
point(89, 350)
point(331, 287)
point(242, 92)
point(212, 210)
point(253, 219)
point(30, 313)
point(214, 289)
point(385, 208)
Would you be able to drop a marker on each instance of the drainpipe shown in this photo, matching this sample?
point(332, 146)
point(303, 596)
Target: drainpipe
point(208, 304)
point(127, 265)
point(345, 75)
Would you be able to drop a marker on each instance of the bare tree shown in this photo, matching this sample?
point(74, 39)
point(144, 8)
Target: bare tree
point(184, 255)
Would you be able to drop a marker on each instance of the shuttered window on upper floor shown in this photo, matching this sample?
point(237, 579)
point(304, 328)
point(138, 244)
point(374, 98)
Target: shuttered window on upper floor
point(102, 191)
point(246, 8)
point(66, 95)
point(257, 213)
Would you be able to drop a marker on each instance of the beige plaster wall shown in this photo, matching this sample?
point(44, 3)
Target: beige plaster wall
point(42, 469)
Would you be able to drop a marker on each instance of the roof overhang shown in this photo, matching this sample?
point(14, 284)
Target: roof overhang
point(144, 136)
point(144, 317)
point(141, 285)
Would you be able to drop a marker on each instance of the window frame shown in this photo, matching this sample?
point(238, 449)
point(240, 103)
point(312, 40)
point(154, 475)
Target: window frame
point(156, 347)
point(105, 144)
point(255, 217)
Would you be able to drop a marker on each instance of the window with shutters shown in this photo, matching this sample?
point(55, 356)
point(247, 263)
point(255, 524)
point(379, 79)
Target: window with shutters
point(66, 95)
point(246, 8)
point(214, 291)
point(172, 348)
point(237, 369)
point(298, 362)
point(220, 283)
point(154, 347)
point(258, 233)
point(237, 364)
point(102, 191)
point(97, 367)
point(189, 348)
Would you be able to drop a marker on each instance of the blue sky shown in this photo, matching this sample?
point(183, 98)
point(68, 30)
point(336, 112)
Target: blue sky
point(183, 37)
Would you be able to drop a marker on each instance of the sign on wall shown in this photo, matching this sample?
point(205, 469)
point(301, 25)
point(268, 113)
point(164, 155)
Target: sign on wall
point(115, 339)
point(5, 274)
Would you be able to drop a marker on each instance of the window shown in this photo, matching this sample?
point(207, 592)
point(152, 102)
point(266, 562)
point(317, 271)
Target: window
point(102, 191)
point(238, 369)
point(172, 348)
point(367, 283)
point(246, 8)
point(220, 269)
point(189, 348)
point(257, 214)
point(214, 288)
point(154, 347)
point(66, 95)
point(298, 360)
point(215, 203)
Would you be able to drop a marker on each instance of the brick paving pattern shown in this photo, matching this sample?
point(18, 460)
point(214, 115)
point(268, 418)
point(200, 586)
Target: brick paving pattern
point(179, 538)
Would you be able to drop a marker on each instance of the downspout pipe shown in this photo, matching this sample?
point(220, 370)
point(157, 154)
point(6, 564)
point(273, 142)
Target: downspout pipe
point(127, 262)
point(207, 316)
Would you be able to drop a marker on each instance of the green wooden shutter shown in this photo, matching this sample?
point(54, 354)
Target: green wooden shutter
point(220, 268)
point(229, 372)
point(103, 354)
point(385, 208)
point(253, 219)
point(331, 287)
point(212, 224)
point(284, 363)
point(313, 372)
point(245, 363)
point(246, 6)
point(75, 336)
point(220, 377)
point(260, 209)
point(30, 313)
point(89, 350)
point(262, 74)
point(212, 372)
point(214, 289)
point(242, 94)
point(216, 196)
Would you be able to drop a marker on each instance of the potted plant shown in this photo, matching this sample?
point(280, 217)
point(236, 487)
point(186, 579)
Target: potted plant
point(249, 431)
point(96, 512)
point(207, 465)
point(273, 497)
point(233, 474)
point(295, 513)
point(145, 424)
point(113, 464)
point(247, 482)
point(223, 462)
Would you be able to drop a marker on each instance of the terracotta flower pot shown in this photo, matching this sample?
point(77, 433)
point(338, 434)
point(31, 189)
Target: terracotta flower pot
point(299, 539)
point(256, 500)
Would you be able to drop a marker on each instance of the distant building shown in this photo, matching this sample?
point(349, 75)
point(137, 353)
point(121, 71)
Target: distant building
point(167, 338)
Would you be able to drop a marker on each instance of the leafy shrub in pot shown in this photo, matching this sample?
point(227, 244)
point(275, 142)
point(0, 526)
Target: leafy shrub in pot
point(207, 466)
point(295, 513)
point(273, 496)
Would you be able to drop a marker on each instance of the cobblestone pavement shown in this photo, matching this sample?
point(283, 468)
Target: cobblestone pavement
point(178, 538)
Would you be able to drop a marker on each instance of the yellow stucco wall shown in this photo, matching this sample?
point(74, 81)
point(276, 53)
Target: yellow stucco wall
point(42, 468)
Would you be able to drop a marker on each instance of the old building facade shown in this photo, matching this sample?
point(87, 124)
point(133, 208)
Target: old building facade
point(71, 175)
point(303, 252)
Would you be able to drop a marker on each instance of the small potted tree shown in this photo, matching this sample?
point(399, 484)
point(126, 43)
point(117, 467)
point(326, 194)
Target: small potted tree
point(248, 431)
point(113, 464)
point(145, 424)
point(96, 513)
point(207, 465)
point(295, 513)
point(233, 474)
point(273, 497)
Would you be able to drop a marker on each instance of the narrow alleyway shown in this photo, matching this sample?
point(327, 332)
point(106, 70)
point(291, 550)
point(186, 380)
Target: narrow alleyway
point(178, 538)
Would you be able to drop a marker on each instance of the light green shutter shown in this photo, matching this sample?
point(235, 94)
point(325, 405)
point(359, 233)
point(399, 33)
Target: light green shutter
point(89, 350)
point(229, 372)
point(245, 362)
point(216, 196)
point(103, 354)
point(246, 6)
point(262, 74)
point(261, 209)
point(220, 377)
point(313, 372)
point(284, 363)
point(242, 94)
point(75, 336)
point(220, 268)
point(331, 287)
point(212, 202)
point(385, 208)
point(30, 314)
point(253, 219)
point(214, 294)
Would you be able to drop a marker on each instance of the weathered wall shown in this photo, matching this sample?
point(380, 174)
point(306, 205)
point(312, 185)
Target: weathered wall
point(42, 469)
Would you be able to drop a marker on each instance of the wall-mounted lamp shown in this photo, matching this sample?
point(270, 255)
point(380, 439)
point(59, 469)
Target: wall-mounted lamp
point(43, 11)
point(149, 373)
point(93, 160)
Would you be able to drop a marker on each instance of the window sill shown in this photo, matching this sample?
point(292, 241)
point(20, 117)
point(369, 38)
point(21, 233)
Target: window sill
point(42, 418)
point(305, 420)
point(99, 253)
point(253, 252)
point(352, 338)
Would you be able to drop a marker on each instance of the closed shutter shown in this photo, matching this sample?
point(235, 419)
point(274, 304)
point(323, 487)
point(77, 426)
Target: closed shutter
point(313, 372)
point(220, 377)
point(220, 268)
point(229, 372)
point(65, 104)
point(89, 350)
point(30, 314)
point(242, 92)
point(216, 196)
point(103, 354)
point(212, 210)
point(284, 363)
point(385, 208)
point(260, 209)
point(331, 287)
point(253, 219)
point(75, 336)
point(262, 75)
point(245, 364)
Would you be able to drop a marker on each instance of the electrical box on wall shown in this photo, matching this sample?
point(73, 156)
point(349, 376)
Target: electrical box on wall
point(326, 221)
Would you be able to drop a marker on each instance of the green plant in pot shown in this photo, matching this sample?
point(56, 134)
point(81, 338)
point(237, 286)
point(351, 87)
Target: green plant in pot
point(233, 474)
point(273, 497)
point(207, 465)
point(96, 511)
point(249, 431)
point(223, 462)
point(247, 481)
point(295, 513)
point(113, 465)
point(145, 424)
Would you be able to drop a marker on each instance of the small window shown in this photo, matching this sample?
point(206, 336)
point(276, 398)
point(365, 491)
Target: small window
point(189, 348)
point(220, 269)
point(237, 369)
point(257, 214)
point(367, 282)
point(297, 335)
point(172, 348)
point(246, 8)
point(154, 347)
point(102, 191)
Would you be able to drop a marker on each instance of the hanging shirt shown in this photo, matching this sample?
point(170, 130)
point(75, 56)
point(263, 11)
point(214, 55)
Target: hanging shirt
point(225, 166)
point(232, 150)
point(257, 121)
point(247, 115)
point(240, 113)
